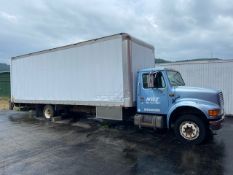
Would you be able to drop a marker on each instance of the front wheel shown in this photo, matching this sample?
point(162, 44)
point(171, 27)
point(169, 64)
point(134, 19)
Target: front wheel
point(190, 129)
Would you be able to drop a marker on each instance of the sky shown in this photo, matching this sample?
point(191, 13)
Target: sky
point(178, 29)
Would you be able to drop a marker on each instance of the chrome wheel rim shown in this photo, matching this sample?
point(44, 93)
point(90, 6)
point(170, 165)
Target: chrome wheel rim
point(189, 130)
point(48, 113)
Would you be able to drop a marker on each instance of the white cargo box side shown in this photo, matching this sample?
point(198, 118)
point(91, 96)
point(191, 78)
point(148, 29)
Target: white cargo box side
point(88, 75)
point(97, 73)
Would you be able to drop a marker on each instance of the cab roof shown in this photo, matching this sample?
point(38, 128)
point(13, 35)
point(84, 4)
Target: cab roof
point(155, 69)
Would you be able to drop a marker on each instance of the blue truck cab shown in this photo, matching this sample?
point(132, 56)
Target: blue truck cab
point(163, 101)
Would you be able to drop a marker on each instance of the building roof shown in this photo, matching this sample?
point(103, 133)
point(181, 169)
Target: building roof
point(196, 62)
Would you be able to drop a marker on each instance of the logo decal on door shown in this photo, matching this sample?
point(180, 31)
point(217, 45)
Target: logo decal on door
point(153, 100)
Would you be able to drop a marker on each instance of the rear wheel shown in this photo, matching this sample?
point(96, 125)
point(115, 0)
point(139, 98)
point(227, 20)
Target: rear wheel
point(48, 111)
point(190, 129)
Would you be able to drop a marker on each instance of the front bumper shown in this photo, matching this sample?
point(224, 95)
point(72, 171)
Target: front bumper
point(216, 124)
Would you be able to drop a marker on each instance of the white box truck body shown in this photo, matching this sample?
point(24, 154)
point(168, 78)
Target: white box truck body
point(114, 77)
point(100, 72)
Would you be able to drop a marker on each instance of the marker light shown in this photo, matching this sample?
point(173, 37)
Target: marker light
point(214, 112)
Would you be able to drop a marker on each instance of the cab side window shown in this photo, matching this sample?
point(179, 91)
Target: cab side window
point(154, 80)
point(145, 79)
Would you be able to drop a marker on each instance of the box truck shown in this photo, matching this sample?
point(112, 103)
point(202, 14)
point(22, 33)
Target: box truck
point(114, 78)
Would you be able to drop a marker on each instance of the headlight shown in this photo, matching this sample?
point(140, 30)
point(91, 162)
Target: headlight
point(214, 112)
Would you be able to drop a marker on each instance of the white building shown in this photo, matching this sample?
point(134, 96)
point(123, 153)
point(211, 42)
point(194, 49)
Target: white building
point(208, 74)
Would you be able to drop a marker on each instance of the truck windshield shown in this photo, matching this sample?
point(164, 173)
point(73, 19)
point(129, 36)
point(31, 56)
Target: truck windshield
point(175, 78)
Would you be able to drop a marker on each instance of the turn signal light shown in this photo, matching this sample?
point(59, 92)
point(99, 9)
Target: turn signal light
point(214, 112)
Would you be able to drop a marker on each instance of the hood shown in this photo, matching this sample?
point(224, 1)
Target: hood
point(198, 93)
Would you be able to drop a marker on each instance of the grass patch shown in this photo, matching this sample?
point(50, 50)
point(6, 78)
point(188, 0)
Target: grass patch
point(4, 103)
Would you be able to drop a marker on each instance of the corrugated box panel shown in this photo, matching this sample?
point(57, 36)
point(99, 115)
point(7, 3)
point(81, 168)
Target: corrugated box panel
point(209, 74)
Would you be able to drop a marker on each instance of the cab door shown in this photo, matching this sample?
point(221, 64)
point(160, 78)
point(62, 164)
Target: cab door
point(152, 94)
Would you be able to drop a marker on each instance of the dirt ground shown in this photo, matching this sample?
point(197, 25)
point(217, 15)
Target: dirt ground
point(4, 103)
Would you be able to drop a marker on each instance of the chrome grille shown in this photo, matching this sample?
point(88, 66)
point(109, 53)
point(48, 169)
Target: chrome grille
point(221, 101)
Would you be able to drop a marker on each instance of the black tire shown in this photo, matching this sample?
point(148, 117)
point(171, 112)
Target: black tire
point(48, 112)
point(190, 129)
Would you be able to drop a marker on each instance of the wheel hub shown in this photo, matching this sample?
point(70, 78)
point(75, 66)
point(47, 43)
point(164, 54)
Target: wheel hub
point(189, 130)
point(48, 112)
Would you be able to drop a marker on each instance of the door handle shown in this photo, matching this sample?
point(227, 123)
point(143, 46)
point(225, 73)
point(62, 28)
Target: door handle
point(171, 95)
point(142, 98)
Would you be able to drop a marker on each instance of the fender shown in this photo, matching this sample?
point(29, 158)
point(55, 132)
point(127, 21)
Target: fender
point(201, 105)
